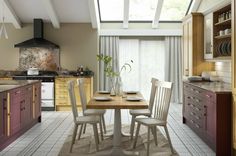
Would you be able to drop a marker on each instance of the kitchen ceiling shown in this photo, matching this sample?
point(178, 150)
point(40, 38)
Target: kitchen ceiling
point(68, 11)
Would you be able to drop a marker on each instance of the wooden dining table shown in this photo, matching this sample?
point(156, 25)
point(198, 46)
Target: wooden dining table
point(117, 103)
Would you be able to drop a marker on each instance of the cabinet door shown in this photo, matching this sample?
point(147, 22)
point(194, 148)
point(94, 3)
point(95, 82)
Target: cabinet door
point(37, 100)
point(26, 103)
point(3, 116)
point(210, 126)
point(185, 50)
point(15, 106)
point(208, 36)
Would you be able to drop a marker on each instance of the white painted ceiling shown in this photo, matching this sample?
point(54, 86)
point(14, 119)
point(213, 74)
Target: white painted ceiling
point(68, 11)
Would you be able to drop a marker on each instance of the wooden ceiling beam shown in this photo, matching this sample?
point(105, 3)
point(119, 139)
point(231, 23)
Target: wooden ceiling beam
point(94, 14)
point(51, 13)
point(14, 18)
point(126, 14)
point(156, 19)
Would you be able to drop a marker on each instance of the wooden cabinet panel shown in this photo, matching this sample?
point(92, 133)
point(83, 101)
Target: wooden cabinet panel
point(193, 46)
point(233, 63)
point(26, 106)
point(209, 115)
point(3, 116)
point(37, 101)
point(62, 96)
point(15, 110)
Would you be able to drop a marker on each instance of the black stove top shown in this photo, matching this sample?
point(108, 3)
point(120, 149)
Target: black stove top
point(45, 76)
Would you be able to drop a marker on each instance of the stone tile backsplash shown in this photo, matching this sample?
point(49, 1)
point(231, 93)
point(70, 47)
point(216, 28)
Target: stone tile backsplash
point(39, 57)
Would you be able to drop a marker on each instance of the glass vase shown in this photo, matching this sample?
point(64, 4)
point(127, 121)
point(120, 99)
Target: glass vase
point(119, 86)
point(112, 86)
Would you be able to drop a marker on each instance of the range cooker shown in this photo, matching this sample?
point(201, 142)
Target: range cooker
point(47, 87)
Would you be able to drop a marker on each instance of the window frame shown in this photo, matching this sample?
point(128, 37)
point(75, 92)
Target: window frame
point(144, 21)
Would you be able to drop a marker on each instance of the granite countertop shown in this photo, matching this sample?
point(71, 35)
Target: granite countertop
point(216, 87)
point(6, 85)
point(62, 76)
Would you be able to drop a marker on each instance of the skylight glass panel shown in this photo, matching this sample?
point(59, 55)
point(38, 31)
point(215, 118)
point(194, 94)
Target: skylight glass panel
point(111, 10)
point(174, 10)
point(142, 10)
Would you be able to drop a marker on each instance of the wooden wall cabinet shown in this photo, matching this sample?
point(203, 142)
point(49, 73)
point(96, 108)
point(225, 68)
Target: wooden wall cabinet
point(208, 114)
point(193, 45)
point(233, 63)
point(62, 96)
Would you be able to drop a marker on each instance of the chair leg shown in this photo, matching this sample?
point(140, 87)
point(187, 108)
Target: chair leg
point(136, 136)
point(104, 125)
point(73, 137)
point(132, 127)
point(154, 133)
point(84, 128)
point(80, 131)
point(168, 137)
point(101, 131)
point(148, 141)
point(95, 130)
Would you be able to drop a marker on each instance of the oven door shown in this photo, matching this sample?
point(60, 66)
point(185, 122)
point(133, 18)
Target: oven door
point(47, 91)
point(47, 103)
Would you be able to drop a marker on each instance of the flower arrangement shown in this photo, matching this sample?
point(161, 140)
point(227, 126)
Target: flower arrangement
point(108, 66)
point(115, 89)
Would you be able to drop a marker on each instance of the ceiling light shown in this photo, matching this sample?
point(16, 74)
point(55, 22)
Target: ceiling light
point(3, 31)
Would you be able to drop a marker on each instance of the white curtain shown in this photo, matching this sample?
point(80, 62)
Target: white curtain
point(148, 61)
point(173, 66)
point(109, 45)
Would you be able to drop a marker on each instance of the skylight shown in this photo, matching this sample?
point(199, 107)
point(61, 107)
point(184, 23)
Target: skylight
point(174, 10)
point(111, 10)
point(142, 10)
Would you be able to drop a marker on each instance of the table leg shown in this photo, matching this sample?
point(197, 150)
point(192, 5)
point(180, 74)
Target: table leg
point(117, 149)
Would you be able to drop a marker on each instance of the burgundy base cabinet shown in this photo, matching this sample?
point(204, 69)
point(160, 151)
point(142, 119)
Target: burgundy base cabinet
point(208, 114)
point(20, 109)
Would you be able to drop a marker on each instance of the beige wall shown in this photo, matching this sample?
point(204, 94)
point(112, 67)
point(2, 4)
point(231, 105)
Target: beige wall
point(78, 45)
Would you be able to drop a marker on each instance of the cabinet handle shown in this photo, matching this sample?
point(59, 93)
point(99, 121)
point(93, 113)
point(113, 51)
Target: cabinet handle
point(192, 89)
point(191, 121)
point(197, 100)
point(197, 91)
point(192, 113)
point(18, 92)
point(197, 117)
point(197, 125)
point(208, 96)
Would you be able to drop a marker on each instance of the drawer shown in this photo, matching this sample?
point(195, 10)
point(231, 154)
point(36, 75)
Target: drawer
point(193, 90)
point(197, 118)
point(196, 101)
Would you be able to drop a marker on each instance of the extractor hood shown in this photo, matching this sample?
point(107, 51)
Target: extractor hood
point(38, 40)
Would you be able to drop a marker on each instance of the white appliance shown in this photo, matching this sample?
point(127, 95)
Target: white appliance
point(47, 94)
point(33, 71)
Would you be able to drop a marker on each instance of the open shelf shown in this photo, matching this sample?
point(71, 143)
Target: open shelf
point(225, 22)
point(223, 36)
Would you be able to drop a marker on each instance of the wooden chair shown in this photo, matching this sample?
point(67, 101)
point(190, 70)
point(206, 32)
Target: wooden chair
point(145, 112)
point(80, 120)
point(89, 112)
point(162, 103)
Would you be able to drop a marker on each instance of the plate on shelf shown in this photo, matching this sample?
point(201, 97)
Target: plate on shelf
point(229, 48)
point(134, 98)
point(224, 48)
point(131, 92)
point(102, 98)
point(103, 92)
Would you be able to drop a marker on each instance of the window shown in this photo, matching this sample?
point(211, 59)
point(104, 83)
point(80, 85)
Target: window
point(174, 10)
point(143, 10)
point(148, 61)
point(111, 10)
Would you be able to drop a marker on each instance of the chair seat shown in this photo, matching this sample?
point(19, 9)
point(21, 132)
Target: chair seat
point(87, 119)
point(150, 121)
point(137, 112)
point(94, 111)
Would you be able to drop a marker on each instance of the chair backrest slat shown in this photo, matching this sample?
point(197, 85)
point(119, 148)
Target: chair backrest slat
point(83, 98)
point(152, 95)
point(162, 100)
point(71, 90)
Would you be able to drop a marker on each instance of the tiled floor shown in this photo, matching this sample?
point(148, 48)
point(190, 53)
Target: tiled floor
point(47, 138)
